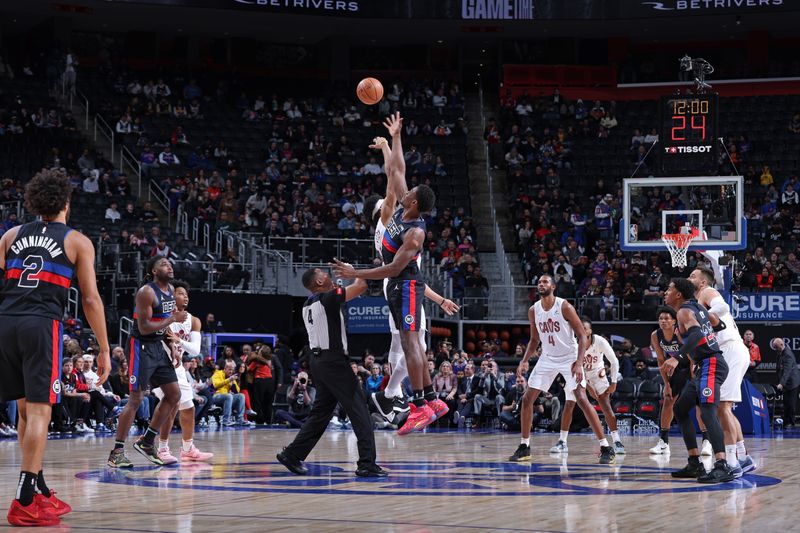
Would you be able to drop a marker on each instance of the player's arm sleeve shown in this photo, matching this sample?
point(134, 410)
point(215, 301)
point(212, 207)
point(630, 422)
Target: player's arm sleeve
point(609, 354)
point(719, 306)
point(192, 346)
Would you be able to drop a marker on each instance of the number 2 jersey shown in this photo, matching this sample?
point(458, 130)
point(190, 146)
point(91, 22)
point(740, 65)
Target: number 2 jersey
point(708, 346)
point(38, 272)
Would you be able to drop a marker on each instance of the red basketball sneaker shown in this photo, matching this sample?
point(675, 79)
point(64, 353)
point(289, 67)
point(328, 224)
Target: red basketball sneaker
point(32, 515)
point(419, 419)
point(58, 507)
point(439, 408)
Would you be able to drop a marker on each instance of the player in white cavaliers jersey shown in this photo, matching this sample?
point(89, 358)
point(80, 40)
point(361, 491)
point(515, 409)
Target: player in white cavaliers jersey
point(554, 323)
point(184, 338)
point(737, 357)
point(390, 402)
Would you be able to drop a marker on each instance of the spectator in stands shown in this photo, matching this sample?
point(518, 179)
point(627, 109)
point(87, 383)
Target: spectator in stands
point(640, 371)
point(161, 249)
point(228, 396)
point(148, 159)
point(86, 163)
point(766, 178)
point(755, 355)
point(124, 125)
point(510, 411)
point(300, 398)
point(442, 130)
point(76, 403)
point(167, 158)
point(651, 137)
point(609, 121)
point(477, 281)
point(467, 389)
point(112, 213)
point(178, 137)
point(764, 281)
point(375, 379)
point(790, 197)
point(788, 380)
point(148, 214)
point(91, 184)
point(445, 385)
point(602, 217)
point(260, 366)
point(103, 400)
point(794, 125)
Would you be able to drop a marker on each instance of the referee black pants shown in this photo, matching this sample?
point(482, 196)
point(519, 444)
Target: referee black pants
point(335, 383)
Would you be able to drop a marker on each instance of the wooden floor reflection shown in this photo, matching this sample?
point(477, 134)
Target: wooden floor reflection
point(448, 481)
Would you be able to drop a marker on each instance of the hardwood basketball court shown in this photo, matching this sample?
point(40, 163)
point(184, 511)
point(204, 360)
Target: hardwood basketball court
point(440, 481)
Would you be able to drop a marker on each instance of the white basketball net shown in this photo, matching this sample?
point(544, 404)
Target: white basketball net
point(678, 244)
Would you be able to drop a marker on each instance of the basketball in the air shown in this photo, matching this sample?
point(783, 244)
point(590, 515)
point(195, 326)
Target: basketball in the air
point(369, 91)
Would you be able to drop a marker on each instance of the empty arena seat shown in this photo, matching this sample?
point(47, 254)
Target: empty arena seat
point(624, 399)
point(648, 400)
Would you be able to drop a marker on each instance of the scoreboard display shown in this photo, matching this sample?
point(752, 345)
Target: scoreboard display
point(688, 131)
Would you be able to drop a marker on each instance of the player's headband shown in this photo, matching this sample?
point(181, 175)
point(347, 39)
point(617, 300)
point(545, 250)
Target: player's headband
point(377, 208)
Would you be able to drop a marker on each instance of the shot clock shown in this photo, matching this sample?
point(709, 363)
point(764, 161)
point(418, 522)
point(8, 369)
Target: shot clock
point(688, 131)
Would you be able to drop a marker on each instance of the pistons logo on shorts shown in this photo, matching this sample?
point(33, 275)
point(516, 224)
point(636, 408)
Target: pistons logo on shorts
point(409, 319)
point(707, 392)
point(133, 380)
point(56, 387)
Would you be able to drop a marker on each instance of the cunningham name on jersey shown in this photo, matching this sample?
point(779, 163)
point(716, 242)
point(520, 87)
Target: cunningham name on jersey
point(37, 241)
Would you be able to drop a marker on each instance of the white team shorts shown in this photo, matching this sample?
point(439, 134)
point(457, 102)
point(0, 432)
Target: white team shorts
point(737, 357)
point(597, 380)
point(187, 394)
point(545, 372)
point(393, 327)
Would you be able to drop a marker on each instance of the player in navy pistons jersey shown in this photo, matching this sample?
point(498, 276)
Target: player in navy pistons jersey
point(39, 260)
point(391, 402)
point(699, 344)
point(401, 246)
point(150, 361)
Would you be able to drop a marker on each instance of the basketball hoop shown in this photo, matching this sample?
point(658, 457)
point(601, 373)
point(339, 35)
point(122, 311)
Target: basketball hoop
point(678, 244)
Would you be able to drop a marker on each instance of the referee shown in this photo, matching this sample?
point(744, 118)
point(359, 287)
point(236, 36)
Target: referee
point(333, 378)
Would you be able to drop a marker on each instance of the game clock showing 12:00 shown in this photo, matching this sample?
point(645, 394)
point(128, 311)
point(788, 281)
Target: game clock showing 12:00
point(688, 121)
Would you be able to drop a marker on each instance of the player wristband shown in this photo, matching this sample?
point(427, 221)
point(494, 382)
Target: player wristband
point(443, 301)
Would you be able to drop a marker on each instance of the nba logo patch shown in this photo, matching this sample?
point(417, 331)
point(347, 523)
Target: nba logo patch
point(707, 392)
point(56, 387)
point(409, 319)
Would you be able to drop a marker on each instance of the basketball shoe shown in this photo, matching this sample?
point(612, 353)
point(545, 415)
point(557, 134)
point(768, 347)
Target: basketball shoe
point(53, 503)
point(390, 409)
point(721, 473)
point(166, 457)
point(149, 451)
point(607, 455)
point(31, 515)
point(195, 455)
point(560, 447)
point(419, 419)
point(118, 459)
point(523, 453)
point(439, 408)
point(662, 448)
point(693, 469)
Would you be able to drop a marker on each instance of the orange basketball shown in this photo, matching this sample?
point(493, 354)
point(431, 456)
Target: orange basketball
point(493, 335)
point(369, 91)
point(469, 347)
point(505, 335)
point(505, 346)
point(470, 334)
point(481, 335)
point(516, 331)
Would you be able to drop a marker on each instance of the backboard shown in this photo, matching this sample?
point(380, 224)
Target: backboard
point(711, 204)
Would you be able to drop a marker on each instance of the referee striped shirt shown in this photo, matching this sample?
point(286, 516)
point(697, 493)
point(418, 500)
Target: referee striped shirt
point(322, 314)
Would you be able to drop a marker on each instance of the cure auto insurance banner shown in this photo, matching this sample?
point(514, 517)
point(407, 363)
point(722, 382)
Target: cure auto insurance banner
point(497, 10)
point(767, 306)
point(368, 314)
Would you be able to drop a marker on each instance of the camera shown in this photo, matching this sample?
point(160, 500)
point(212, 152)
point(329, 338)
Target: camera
point(302, 381)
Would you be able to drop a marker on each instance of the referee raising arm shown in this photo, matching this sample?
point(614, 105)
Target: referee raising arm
point(333, 378)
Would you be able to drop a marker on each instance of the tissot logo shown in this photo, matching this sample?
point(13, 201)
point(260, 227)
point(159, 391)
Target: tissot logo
point(316, 5)
point(688, 149)
point(497, 9)
point(709, 5)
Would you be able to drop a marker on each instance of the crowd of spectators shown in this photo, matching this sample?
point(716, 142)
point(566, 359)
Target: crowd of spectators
point(570, 233)
point(310, 181)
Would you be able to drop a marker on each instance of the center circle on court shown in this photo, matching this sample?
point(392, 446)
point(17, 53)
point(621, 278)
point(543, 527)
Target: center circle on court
point(416, 478)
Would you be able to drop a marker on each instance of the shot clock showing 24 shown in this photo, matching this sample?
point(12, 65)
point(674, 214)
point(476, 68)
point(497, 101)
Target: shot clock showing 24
point(688, 130)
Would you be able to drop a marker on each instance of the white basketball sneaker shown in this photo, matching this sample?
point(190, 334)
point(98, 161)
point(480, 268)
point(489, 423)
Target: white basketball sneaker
point(662, 448)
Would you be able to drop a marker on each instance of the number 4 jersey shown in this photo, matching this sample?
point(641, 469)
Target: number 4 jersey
point(558, 340)
point(38, 272)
